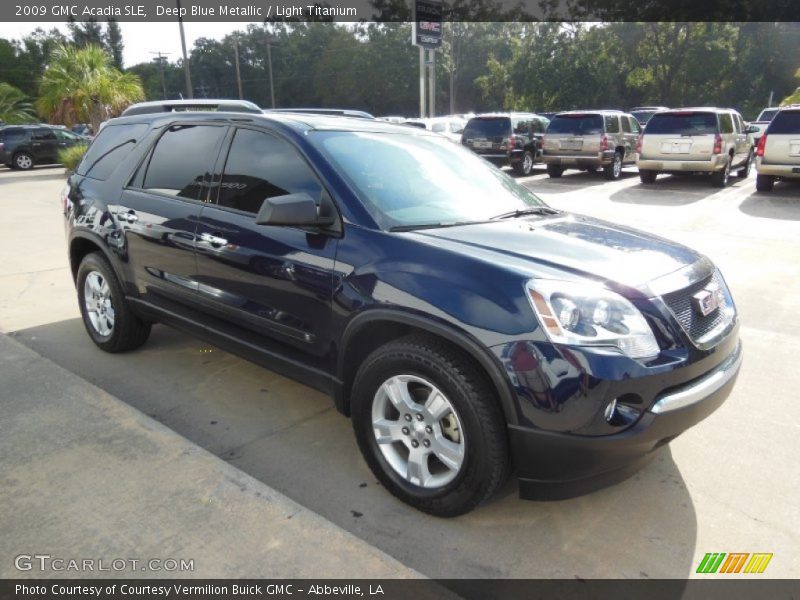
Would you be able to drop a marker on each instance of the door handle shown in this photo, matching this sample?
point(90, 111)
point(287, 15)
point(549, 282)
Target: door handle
point(213, 240)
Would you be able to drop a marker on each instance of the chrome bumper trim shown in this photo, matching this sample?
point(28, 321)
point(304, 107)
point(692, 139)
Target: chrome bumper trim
point(703, 387)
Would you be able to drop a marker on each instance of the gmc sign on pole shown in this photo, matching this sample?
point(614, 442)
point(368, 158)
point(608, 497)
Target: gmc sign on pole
point(427, 24)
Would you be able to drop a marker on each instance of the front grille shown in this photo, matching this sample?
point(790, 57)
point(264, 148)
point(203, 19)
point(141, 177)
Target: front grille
point(693, 323)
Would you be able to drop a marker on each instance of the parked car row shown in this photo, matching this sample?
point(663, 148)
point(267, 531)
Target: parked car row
point(698, 140)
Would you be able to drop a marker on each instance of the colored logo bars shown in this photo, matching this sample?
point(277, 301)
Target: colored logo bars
point(734, 562)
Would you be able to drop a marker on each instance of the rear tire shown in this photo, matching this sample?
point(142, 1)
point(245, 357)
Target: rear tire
point(555, 171)
point(23, 161)
point(744, 172)
point(614, 170)
point(107, 317)
point(720, 178)
point(647, 176)
point(765, 183)
point(468, 427)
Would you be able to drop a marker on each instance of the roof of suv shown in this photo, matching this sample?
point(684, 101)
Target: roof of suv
point(298, 121)
point(602, 111)
point(492, 115)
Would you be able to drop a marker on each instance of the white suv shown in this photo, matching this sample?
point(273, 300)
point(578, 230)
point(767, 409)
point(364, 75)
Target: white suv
point(695, 140)
point(778, 152)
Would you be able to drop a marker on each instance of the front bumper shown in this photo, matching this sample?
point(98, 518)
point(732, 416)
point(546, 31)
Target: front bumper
point(777, 170)
point(577, 161)
point(553, 465)
point(676, 165)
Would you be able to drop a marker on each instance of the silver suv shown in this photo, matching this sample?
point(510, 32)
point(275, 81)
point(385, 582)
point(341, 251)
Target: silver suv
point(778, 152)
point(587, 140)
point(695, 140)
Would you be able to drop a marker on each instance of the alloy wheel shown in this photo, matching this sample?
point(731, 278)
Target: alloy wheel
point(418, 431)
point(98, 303)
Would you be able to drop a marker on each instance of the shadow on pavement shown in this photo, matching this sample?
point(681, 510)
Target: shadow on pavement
point(36, 174)
point(668, 190)
point(783, 202)
point(572, 180)
point(291, 437)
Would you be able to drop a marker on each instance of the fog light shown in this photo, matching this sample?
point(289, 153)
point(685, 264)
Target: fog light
point(611, 409)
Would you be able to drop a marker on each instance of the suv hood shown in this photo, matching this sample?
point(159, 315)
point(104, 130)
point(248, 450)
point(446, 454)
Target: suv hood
point(581, 245)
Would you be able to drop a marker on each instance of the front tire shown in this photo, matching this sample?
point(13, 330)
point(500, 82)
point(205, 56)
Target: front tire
point(107, 317)
point(744, 172)
point(525, 166)
point(720, 178)
point(765, 183)
point(614, 170)
point(554, 171)
point(429, 426)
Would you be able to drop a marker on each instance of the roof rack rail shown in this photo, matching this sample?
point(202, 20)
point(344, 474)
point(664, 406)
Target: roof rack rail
point(201, 105)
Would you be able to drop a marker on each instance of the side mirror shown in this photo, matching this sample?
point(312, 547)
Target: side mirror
point(751, 129)
point(299, 210)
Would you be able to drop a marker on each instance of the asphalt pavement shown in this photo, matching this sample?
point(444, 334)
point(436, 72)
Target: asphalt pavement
point(728, 485)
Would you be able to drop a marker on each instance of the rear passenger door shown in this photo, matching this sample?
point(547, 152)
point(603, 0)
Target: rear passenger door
point(742, 139)
point(160, 211)
point(630, 135)
point(44, 146)
point(276, 281)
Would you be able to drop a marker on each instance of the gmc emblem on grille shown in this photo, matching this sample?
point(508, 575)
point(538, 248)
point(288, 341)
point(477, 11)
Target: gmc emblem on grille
point(708, 300)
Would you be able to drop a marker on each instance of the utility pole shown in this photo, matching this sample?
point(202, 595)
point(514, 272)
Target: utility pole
point(187, 75)
point(238, 72)
point(160, 59)
point(269, 39)
point(422, 52)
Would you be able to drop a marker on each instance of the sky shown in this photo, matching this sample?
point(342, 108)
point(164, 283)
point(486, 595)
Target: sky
point(141, 39)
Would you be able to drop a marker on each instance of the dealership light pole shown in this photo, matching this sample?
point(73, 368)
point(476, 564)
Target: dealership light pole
point(186, 72)
point(269, 41)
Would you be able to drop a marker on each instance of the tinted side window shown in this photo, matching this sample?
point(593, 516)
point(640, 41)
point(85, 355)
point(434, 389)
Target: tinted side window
point(522, 127)
point(725, 123)
point(182, 158)
point(612, 124)
point(110, 146)
point(261, 166)
point(626, 125)
point(786, 121)
point(43, 134)
point(12, 135)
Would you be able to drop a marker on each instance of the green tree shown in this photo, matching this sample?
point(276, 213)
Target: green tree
point(86, 33)
point(14, 106)
point(80, 85)
point(113, 40)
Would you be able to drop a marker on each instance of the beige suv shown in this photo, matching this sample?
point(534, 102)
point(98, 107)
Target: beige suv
point(778, 152)
point(587, 140)
point(695, 140)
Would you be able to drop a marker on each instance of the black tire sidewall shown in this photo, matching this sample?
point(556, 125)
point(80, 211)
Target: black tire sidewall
point(453, 498)
point(95, 262)
point(17, 155)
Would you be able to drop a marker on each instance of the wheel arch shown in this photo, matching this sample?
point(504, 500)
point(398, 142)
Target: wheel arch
point(374, 328)
point(80, 245)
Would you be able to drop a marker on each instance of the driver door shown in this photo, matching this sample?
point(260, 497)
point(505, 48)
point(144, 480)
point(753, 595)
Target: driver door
point(274, 280)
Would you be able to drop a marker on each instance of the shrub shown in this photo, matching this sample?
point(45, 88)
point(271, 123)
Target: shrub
point(70, 157)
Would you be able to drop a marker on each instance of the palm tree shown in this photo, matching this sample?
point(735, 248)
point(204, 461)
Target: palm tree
point(14, 107)
point(81, 86)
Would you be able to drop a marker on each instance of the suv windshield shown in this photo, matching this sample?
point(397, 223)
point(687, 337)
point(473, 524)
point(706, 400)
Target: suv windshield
point(419, 180)
point(682, 123)
point(767, 115)
point(786, 121)
point(576, 124)
point(483, 127)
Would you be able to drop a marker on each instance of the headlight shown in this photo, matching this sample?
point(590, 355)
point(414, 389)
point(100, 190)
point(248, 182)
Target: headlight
point(590, 315)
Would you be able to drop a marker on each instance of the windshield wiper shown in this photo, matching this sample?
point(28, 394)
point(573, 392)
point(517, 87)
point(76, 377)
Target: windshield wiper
point(431, 225)
point(522, 212)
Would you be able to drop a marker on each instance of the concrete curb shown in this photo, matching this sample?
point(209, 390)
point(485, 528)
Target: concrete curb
point(85, 476)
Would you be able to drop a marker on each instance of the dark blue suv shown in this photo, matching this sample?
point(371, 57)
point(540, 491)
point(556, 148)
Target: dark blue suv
point(467, 328)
